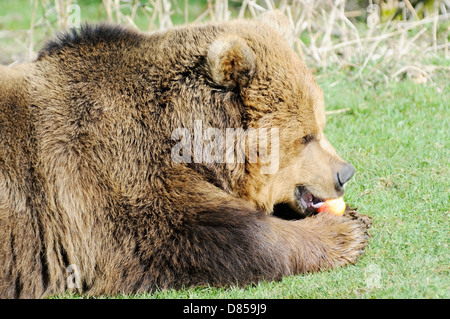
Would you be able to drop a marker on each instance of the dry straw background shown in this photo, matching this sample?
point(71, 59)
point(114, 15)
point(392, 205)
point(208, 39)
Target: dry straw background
point(354, 36)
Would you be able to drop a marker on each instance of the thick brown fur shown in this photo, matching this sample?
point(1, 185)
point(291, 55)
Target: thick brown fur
point(87, 178)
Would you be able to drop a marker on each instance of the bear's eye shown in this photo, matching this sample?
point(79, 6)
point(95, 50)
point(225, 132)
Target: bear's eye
point(307, 138)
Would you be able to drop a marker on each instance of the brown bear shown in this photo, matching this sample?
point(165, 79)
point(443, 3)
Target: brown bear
point(109, 184)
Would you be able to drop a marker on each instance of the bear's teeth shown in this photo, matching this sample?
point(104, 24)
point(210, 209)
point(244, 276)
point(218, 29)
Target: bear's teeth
point(317, 205)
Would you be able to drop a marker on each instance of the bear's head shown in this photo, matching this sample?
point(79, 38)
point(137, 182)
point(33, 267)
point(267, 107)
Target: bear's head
point(284, 105)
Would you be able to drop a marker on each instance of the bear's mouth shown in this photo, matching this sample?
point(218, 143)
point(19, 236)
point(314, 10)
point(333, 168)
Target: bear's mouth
point(306, 204)
point(306, 200)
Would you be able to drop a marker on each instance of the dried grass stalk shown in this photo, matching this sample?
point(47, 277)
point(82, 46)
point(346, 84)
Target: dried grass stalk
point(325, 36)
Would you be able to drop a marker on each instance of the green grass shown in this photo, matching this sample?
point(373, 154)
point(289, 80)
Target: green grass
point(397, 136)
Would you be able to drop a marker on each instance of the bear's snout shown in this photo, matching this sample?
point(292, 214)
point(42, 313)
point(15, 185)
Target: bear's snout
point(342, 176)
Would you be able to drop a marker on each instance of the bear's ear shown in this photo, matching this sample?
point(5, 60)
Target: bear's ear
point(280, 22)
point(231, 62)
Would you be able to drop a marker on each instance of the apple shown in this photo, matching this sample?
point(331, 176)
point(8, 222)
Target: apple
point(336, 206)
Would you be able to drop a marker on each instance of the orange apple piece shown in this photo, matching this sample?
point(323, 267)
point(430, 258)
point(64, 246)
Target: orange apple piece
point(336, 206)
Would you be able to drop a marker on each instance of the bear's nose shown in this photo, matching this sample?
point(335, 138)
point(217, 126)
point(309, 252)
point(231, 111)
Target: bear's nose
point(344, 175)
